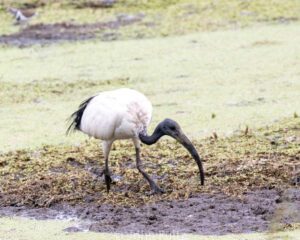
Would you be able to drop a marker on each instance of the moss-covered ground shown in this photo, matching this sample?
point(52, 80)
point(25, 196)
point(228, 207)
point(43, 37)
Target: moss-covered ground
point(235, 92)
point(219, 81)
point(250, 160)
point(36, 229)
point(162, 18)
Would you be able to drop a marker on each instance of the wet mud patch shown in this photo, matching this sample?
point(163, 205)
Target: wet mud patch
point(267, 158)
point(94, 4)
point(60, 32)
point(257, 211)
point(201, 214)
point(245, 190)
point(69, 3)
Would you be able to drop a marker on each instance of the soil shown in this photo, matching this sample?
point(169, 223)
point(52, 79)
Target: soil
point(214, 214)
point(66, 31)
point(247, 177)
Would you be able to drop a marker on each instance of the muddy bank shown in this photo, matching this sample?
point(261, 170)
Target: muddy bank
point(72, 174)
point(66, 31)
point(202, 214)
point(245, 190)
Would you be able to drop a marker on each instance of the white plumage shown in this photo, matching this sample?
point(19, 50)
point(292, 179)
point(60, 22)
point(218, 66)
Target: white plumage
point(125, 114)
point(117, 114)
point(22, 16)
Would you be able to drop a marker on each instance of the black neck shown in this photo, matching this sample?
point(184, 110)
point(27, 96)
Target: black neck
point(149, 140)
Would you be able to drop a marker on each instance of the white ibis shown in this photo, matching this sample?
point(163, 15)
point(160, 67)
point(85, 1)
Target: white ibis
point(126, 114)
point(22, 16)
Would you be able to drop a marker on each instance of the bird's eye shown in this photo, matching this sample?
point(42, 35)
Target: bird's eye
point(173, 128)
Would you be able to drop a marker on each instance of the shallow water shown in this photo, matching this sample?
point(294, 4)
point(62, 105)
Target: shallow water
point(15, 228)
point(204, 214)
point(214, 81)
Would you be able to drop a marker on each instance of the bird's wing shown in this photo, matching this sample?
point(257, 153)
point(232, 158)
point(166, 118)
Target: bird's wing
point(116, 114)
point(13, 11)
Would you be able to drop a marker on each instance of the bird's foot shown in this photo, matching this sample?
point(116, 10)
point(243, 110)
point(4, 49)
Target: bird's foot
point(107, 178)
point(108, 181)
point(156, 190)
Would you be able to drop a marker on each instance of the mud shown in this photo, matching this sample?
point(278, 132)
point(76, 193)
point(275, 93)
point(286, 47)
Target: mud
point(207, 214)
point(43, 34)
point(94, 4)
point(247, 177)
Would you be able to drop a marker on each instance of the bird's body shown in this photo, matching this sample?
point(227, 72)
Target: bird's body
point(117, 114)
point(125, 114)
point(22, 16)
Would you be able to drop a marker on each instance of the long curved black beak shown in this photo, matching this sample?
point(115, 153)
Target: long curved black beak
point(171, 128)
point(182, 138)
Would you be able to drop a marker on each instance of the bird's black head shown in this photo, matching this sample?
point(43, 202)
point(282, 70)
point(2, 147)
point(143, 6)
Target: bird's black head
point(170, 127)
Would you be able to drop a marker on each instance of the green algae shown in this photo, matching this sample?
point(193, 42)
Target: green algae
point(170, 17)
point(28, 229)
point(248, 77)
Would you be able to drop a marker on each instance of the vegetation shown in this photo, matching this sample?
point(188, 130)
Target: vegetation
point(236, 93)
point(162, 18)
point(266, 158)
point(33, 230)
point(186, 78)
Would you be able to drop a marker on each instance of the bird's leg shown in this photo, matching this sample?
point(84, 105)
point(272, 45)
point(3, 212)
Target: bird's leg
point(106, 150)
point(154, 188)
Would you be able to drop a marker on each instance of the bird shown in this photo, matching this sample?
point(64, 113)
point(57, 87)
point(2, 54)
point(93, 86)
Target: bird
point(126, 114)
point(22, 16)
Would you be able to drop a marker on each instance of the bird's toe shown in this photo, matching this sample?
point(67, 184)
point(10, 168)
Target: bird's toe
point(108, 181)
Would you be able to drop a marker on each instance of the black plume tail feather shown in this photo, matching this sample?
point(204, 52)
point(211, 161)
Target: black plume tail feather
point(76, 116)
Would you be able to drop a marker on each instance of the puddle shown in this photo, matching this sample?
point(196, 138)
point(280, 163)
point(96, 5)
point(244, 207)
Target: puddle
point(28, 229)
point(203, 214)
point(66, 31)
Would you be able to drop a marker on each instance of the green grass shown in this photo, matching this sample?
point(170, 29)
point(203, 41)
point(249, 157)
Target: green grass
point(163, 18)
point(248, 77)
point(209, 82)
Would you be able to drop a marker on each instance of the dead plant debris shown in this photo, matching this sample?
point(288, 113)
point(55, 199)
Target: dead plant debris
point(72, 174)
